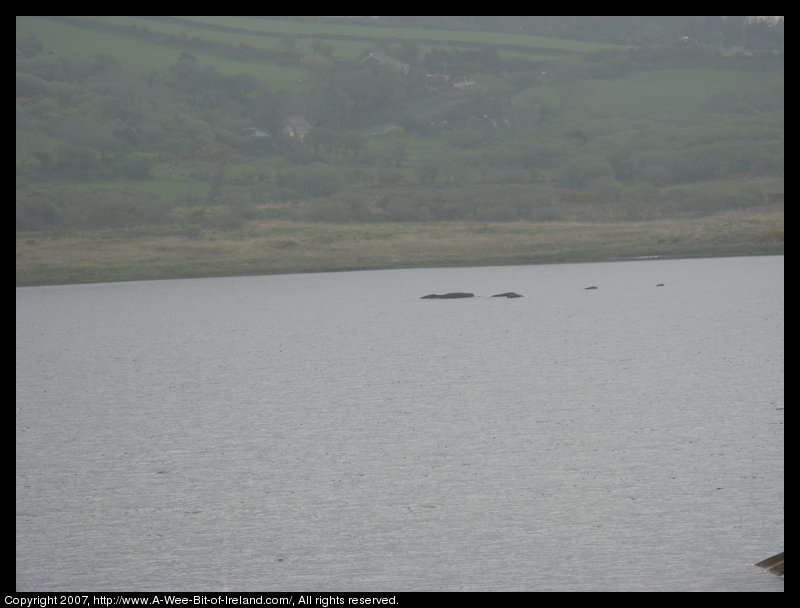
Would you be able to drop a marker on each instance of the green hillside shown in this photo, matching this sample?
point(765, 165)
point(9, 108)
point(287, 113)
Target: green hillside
point(204, 126)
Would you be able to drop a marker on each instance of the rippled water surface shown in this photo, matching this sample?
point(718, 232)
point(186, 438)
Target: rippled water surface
point(337, 432)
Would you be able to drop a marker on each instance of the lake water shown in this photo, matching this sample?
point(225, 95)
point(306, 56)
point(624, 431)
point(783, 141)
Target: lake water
point(335, 432)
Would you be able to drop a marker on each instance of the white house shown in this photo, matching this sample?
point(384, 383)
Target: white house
point(385, 60)
point(296, 126)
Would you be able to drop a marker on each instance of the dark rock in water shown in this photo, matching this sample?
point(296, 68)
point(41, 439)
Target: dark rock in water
point(592, 287)
point(448, 296)
point(508, 294)
point(660, 285)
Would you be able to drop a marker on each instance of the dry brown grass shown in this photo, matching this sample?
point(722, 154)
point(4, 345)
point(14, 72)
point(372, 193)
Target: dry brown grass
point(278, 247)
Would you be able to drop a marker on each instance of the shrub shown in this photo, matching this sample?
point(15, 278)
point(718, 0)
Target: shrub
point(582, 170)
point(314, 181)
point(60, 208)
point(707, 198)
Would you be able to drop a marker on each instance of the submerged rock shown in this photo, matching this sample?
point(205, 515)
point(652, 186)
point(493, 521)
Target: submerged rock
point(591, 287)
point(508, 294)
point(448, 296)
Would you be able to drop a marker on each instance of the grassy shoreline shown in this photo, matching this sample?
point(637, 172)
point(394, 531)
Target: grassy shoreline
point(277, 247)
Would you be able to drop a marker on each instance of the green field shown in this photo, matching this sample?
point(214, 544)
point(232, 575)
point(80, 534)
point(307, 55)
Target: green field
point(134, 161)
point(264, 33)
